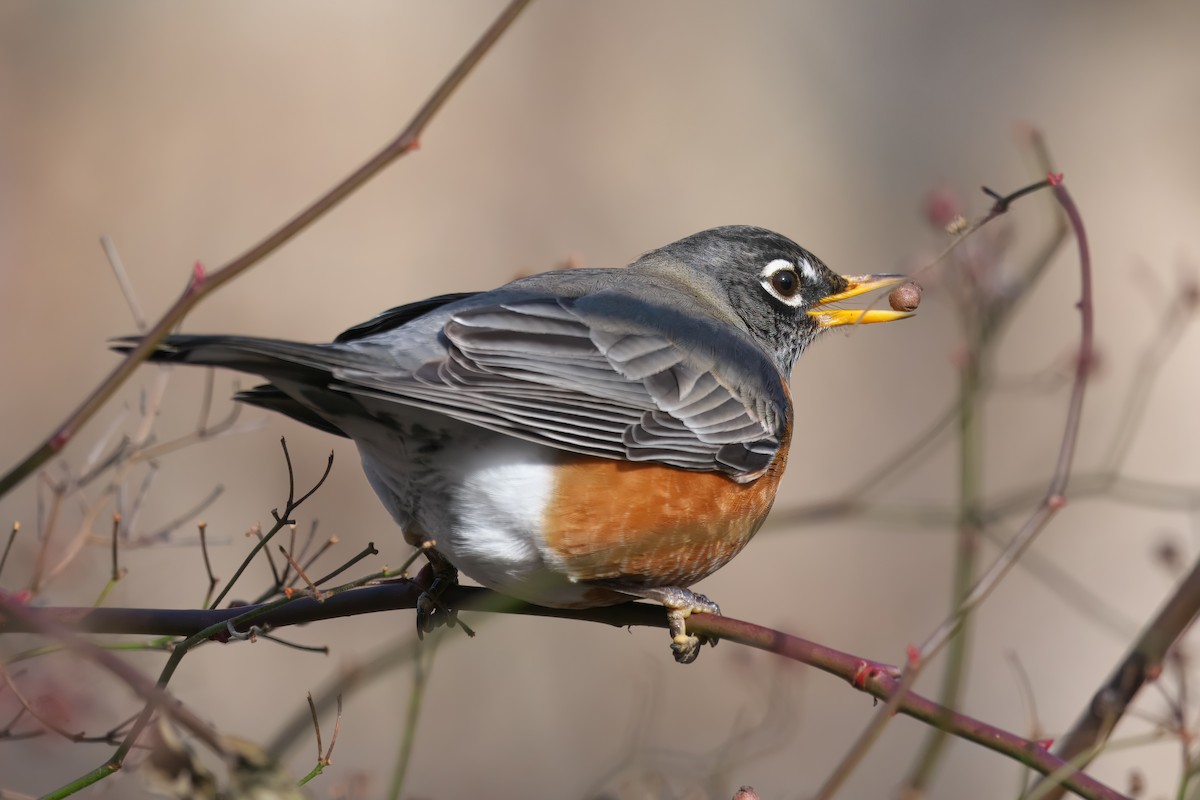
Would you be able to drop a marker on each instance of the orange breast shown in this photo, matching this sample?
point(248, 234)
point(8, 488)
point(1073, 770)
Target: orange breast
point(649, 524)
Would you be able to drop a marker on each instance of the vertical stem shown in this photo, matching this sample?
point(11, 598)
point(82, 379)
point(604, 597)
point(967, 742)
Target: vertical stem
point(970, 529)
point(422, 663)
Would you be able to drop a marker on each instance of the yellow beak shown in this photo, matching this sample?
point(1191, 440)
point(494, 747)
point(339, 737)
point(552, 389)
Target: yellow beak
point(856, 285)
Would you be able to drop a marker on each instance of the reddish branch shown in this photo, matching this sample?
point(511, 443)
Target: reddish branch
point(876, 679)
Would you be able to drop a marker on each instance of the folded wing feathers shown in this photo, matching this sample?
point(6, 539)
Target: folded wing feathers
point(535, 370)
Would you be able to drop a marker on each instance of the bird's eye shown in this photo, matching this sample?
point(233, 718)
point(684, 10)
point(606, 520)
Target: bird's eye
point(782, 282)
point(785, 282)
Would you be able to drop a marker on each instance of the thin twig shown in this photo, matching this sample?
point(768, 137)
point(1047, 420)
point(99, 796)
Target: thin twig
point(257, 532)
point(312, 534)
point(312, 707)
point(984, 314)
point(281, 520)
point(224, 427)
point(202, 527)
point(46, 533)
point(1029, 698)
point(369, 550)
point(422, 667)
point(337, 728)
point(324, 757)
point(1162, 343)
point(116, 573)
point(122, 276)
point(1055, 497)
point(75, 546)
point(313, 591)
point(1054, 501)
point(12, 536)
point(320, 482)
point(133, 511)
point(169, 527)
point(116, 531)
point(349, 679)
point(322, 550)
point(203, 283)
point(291, 548)
point(30, 709)
point(304, 648)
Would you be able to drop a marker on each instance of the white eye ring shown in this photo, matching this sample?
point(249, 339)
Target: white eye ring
point(770, 271)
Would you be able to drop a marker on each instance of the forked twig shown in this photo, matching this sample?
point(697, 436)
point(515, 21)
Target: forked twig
point(324, 757)
point(281, 521)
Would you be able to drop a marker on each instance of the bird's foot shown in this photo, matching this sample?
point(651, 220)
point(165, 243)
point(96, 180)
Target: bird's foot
point(680, 603)
point(436, 578)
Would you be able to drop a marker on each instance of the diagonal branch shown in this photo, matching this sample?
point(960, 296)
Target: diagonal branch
point(1142, 664)
point(203, 283)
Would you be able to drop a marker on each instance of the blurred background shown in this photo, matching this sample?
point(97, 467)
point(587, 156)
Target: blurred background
point(594, 132)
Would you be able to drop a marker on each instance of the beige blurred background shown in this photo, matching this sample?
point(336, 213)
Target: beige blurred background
point(597, 131)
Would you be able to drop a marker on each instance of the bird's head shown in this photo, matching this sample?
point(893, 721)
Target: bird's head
point(768, 285)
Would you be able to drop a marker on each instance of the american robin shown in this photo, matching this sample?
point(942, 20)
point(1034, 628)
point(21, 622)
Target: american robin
point(576, 438)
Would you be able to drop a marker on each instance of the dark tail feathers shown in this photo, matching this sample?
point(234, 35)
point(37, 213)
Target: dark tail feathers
point(273, 359)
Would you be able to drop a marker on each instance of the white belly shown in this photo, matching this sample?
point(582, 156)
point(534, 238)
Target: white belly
point(481, 501)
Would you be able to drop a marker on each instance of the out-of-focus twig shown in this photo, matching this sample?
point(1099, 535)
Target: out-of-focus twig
point(1053, 501)
point(122, 276)
point(422, 667)
point(1055, 497)
point(203, 283)
point(1142, 663)
point(155, 696)
point(983, 314)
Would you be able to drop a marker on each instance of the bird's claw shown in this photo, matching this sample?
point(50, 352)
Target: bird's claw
point(681, 604)
point(431, 611)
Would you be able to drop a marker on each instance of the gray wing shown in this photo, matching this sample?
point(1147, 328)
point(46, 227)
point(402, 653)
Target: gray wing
point(602, 375)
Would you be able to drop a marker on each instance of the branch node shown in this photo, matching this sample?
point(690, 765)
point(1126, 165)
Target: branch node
point(199, 276)
point(913, 654)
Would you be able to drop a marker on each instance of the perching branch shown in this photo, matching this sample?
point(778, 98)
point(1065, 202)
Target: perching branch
point(868, 676)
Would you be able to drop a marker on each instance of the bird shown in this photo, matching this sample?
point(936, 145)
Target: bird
point(576, 438)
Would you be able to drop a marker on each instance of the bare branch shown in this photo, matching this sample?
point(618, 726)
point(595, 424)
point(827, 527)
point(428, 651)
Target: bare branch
point(876, 679)
point(203, 283)
point(1143, 662)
